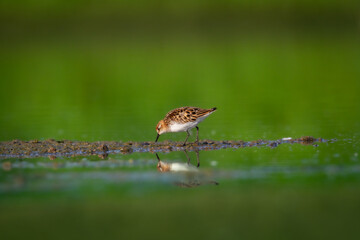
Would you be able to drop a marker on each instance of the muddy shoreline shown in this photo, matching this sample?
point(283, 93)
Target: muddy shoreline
point(56, 148)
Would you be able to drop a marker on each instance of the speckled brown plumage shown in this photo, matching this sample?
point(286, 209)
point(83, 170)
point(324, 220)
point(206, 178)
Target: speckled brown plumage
point(186, 114)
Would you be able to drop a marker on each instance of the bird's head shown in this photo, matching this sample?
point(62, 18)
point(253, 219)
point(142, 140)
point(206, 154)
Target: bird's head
point(163, 167)
point(161, 127)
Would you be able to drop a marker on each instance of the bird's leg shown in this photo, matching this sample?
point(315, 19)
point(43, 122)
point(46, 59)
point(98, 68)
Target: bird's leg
point(187, 156)
point(188, 134)
point(197, 135)
point(159, 164)
point(197, 158)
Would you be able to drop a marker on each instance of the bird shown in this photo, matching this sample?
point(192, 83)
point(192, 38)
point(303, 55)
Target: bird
point(183, 119)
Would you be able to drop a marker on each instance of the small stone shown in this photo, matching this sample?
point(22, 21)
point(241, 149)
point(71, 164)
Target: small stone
point(103, 148)
point(51, 150)
point(168, 148)
point(126, 150)
point(307, 139)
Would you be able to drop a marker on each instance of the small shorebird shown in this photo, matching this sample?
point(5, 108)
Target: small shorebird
point(182, 120)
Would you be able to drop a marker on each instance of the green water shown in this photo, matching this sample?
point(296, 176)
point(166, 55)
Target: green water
point(269, 83)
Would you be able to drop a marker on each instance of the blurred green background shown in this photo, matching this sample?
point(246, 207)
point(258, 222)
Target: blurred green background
point(110, 70)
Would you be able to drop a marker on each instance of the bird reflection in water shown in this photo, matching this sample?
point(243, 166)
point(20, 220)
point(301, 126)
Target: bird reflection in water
point(189, 175)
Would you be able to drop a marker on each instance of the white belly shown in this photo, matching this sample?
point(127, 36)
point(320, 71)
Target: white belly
point(182, 167)
point(177, 127)
point(183, 127)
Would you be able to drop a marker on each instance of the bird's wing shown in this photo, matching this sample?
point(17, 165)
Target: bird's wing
point(187, 114)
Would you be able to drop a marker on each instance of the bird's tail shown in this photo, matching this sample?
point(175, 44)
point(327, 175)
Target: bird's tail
point(214, 108)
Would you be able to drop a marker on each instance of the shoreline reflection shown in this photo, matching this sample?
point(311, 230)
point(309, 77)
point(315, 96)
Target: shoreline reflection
point(189, 176)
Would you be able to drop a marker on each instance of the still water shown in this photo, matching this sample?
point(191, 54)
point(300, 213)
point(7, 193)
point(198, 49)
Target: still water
point(329, 161)
point(275, 189)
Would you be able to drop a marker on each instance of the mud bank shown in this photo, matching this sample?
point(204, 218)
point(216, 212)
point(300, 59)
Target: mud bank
point(53, 148)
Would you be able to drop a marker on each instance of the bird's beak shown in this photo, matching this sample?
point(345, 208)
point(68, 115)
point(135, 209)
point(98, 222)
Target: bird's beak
point(157, 137)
